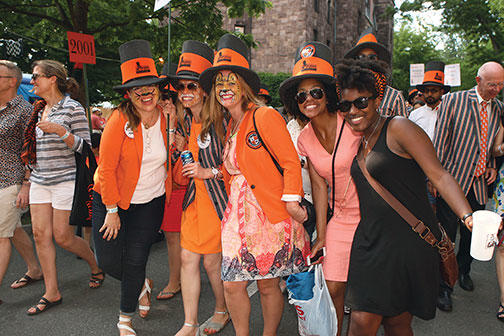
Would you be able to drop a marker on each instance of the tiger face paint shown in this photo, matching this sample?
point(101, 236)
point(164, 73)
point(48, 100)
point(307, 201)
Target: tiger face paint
point(144, 98)
point(227, 88)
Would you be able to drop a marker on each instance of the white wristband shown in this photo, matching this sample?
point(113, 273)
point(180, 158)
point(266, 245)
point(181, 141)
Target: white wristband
point(113, 210)
point(64, 136)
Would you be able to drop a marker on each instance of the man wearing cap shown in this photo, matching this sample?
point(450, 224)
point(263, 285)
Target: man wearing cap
point(466, 126)
point(97, 121)
point(433, 89)
point(414, 96)
point(14, 185)
point(368, 48)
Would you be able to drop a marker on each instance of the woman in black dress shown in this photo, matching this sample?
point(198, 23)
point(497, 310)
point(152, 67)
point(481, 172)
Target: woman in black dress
point(393, 273)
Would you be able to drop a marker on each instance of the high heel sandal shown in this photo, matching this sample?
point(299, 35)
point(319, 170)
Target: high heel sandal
point(121, 326)
point(143, 311)
point(500, 313)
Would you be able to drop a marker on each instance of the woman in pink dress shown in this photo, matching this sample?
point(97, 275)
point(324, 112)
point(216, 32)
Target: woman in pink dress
point(311, 95)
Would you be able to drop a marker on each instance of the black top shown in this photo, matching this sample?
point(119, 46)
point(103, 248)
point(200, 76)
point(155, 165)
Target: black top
point(392, 270)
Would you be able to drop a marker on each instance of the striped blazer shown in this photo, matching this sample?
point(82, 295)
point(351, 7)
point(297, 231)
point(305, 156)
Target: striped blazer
point(393, 103)
point(457, 139)
point(208, 157)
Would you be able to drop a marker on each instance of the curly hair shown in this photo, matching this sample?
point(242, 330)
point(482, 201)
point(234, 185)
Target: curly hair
point(361, 75)
point(292, 107)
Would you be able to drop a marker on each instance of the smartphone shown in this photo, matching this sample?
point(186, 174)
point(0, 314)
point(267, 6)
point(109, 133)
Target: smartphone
point(320, 253)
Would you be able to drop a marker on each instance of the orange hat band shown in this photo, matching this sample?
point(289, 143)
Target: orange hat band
point(367, 38)
point(312, 65)
point(434, 76)
point(138, 67)
point(193, 62)
point(227, 56)
point(264, 92)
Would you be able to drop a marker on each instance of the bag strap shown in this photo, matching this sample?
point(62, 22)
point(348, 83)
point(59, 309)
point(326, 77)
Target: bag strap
point(417, 225)
point(277, 165)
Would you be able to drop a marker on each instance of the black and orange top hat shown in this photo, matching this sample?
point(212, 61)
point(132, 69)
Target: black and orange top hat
point(137, 66)
point(312, 60)
point(264, 92)
point(232, 54)
point(434, 76)
point(196, 57)
point(368, 40)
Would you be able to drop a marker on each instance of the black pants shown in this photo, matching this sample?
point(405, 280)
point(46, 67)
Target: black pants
point(125, 257)
point(451, 222)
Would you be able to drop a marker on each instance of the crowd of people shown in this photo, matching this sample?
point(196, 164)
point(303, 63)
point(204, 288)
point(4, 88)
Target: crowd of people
point(200, 156)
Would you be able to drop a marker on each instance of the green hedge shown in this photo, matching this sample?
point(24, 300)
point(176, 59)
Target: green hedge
point(273, 81)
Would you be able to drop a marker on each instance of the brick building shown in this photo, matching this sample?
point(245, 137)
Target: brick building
point(337, 23)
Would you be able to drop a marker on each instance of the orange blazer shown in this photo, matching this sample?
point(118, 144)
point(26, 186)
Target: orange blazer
point(270, 188)
point(120, 160)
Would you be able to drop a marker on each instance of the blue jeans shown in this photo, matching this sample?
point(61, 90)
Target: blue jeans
point(125, 257)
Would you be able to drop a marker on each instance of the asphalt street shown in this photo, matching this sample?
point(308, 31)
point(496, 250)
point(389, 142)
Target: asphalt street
point(94, 311)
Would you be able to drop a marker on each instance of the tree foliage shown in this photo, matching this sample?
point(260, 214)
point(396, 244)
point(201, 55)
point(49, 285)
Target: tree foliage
point(42, 26)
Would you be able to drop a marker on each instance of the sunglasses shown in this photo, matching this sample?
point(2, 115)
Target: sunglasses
point(37, 76)
point(181, 87)
point(370, 57)
point(360, 103)
point(316, 93)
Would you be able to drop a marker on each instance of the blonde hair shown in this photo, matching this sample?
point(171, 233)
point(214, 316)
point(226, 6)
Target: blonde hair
point(213, 112)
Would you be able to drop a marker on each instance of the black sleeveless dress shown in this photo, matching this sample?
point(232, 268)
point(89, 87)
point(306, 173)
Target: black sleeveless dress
point(392, 270)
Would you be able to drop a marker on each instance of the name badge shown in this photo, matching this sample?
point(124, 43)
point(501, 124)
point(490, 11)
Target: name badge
point(128, 131)
point(204, 143)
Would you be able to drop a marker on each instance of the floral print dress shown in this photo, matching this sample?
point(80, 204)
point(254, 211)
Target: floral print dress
point(252, 247)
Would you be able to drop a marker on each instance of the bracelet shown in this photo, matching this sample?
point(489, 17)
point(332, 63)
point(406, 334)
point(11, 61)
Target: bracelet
point(64, 136)
point(112, 210)
point(171, 130)
point(467, 215)
point(499, 148)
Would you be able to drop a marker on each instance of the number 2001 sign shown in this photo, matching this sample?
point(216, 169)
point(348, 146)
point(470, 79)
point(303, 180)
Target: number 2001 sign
point(81, 48)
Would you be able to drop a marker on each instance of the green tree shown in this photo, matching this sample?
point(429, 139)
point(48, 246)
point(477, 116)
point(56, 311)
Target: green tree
point(411, 47)
point(42, 24)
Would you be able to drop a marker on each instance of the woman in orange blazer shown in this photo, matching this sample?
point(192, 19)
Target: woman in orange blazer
point(132, 181)
point(262, 235)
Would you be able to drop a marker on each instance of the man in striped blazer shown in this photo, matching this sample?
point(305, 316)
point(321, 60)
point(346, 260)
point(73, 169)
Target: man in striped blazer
point(466, 126)
point(367, 47)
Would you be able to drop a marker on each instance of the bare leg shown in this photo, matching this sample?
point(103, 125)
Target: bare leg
point(337, 292)
point(272, 303)
point(65, 237)
point(499, 265)
point(42, 218)
point(173, 246)
point(364, 324)
point(24, 246)
point(86, 232)
point(238, 303)
point(399, 325)
point(5, 254)
point(191, 286)
point(212, 263)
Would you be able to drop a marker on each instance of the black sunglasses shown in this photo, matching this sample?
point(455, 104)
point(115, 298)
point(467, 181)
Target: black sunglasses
point(37, 76)
point(370, 57)
point(181, 87)
point(360, 103)
point(316, 93)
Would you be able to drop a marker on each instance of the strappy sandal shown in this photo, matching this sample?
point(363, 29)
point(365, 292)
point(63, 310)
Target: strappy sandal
point(94, 281)
point(122, 326)
point(500, 313)
point(45, 303)
point(214, 326)
point(143, 311)
point(24, 281)
point(197, 326)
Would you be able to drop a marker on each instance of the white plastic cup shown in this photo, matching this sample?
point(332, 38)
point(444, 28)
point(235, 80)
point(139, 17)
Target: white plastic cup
point(484, 234)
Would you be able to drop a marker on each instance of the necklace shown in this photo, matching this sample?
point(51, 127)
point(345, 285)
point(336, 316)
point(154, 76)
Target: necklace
point(366, 141)
point(234, 130)
point(149, 123)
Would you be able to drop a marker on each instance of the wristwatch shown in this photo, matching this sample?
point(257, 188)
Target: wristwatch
point(216, 172)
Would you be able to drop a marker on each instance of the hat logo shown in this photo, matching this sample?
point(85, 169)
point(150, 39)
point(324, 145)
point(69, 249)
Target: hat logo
point(308, 67)
point(223, 57)
point(253, 140)
point(141, 68)
point(438, 76)
point(184, 63)
point(307, 51)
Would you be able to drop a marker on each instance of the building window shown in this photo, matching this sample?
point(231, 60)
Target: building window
point(329, 11)
point(316, 5)
point(240, 28)
point(315, 34)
